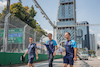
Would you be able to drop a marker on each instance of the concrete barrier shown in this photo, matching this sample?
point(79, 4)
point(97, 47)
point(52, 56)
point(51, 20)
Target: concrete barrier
point(14, 58)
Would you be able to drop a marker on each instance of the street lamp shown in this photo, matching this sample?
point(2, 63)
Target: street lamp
point(24, 36)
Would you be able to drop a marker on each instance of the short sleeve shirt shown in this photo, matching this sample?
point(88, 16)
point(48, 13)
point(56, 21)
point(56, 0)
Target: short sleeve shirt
point(73, 43)
point(51, 46)
point(54, 42)
point(31, 52)
point(69, 45)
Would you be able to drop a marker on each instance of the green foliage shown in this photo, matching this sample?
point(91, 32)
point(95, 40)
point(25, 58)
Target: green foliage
point(24, 13)
point(20, 1)
point(81, 49)
point(92, 51)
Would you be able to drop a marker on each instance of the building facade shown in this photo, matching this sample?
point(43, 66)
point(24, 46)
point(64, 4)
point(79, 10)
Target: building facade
point(79, 38)
point(83, 36)
point(93, 43)
point(66, 16)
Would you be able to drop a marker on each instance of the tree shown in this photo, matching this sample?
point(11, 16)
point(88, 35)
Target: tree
point(20, 1)
point(25, 14)
point(92, 51)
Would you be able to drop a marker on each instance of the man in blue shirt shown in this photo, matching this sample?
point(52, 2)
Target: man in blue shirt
point(71, 51)
point(51, 48)
point(31, 52)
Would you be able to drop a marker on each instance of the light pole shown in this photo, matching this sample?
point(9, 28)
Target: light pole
point(35, 36)
point(41, 41)
point(24, 37)
point(6, 27)
point(54, 32)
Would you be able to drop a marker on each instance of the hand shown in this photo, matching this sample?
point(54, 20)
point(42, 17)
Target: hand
point(75, 58)
point(37, 57)
point(23, 55)
point(64, 49)
point(54, 54)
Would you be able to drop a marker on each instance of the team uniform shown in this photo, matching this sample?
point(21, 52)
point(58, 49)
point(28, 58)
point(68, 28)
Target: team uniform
point(31, 52)
point(50, 50)
point(69, 46)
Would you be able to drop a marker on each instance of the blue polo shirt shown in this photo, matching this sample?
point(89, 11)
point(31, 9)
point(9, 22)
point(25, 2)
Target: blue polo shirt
point(69, 46)
point(31, 52)
point(51, 46)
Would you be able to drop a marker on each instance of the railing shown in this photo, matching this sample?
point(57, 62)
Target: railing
point(84, 64)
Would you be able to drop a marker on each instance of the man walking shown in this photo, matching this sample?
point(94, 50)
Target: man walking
point(31, 52)
point(71, 51)
point(51, 48)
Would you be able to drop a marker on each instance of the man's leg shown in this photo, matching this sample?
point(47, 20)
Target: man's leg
point(32, 65)
point(71, 61)
point(71, 65)
point(65, 61)
point(29, 65)
point(30, 62)
point(50, 63)
point(50, 60)
point(64, 65)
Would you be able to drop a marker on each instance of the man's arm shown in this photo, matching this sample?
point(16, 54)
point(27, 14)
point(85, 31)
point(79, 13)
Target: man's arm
point(25, 53)
point(36, 53)
point(75, 54)
point(55, 50)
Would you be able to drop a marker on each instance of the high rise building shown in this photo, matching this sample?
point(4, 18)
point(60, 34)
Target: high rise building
point(93, 43)
point(79, 38)
point(66, 16)
point(83, 36)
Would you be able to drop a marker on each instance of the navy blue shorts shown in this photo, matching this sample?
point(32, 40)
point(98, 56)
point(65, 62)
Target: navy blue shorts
point(31, 60)
point(68, 60)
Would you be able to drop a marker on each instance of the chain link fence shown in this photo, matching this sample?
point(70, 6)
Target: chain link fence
point(87, 36)
point(2, 21)
point(18, 36)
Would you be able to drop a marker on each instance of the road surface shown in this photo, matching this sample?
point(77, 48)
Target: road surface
point(56, 63)
point(93, 62)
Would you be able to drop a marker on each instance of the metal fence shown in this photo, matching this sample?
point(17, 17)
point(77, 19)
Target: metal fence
point(1, 33)
point(18, 36)
point(84, 64)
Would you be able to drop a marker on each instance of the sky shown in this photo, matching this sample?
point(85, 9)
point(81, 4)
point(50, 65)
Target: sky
point(86, 10)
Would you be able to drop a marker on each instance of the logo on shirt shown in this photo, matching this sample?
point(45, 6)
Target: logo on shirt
point(51, 42)
point(69, 43)
point(32, 45)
